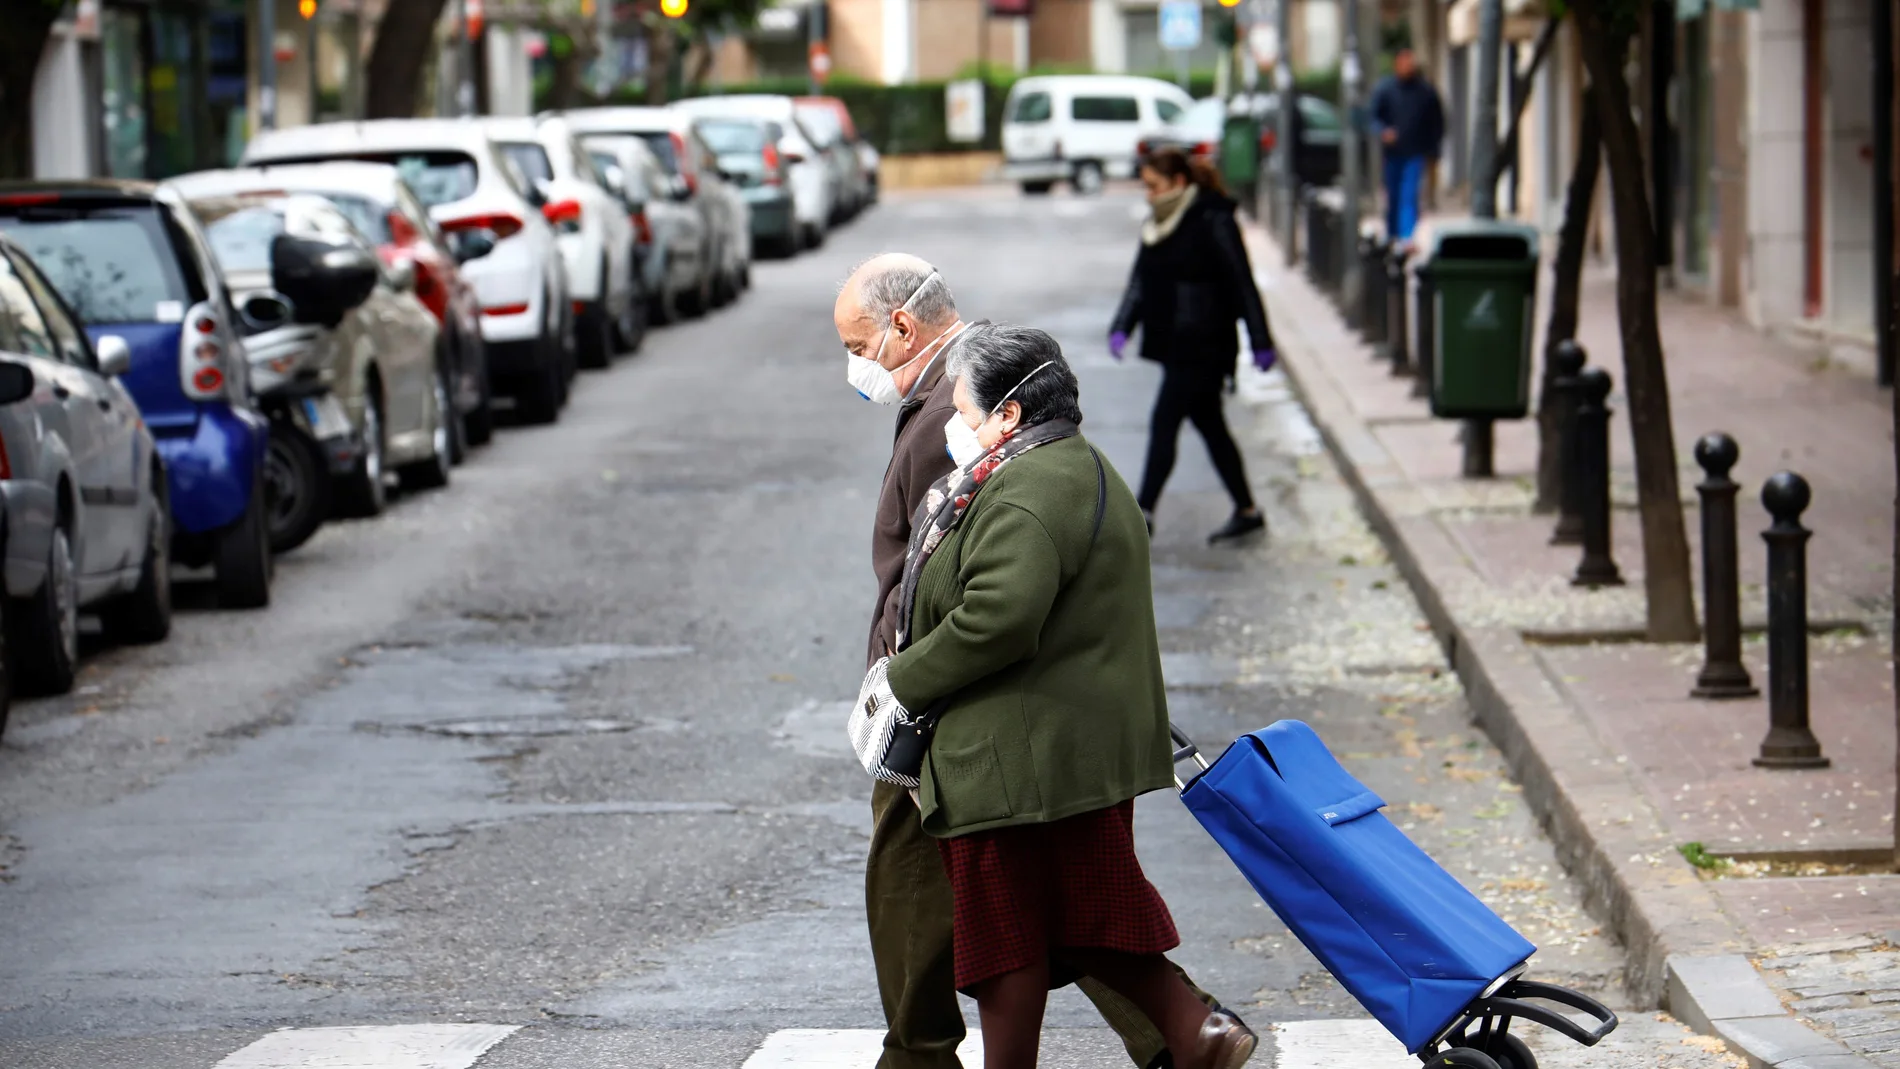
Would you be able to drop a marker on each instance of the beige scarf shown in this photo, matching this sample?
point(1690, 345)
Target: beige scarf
point(1165, 214)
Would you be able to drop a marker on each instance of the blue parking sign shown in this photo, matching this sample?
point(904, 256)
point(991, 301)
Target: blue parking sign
point(1180, 25)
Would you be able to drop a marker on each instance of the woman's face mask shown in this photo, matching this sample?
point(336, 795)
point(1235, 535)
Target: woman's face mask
point(968, 442)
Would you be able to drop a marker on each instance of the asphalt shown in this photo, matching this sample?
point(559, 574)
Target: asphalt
point(558, 747)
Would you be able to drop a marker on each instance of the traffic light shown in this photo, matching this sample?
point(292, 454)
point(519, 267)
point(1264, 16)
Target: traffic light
point(1230, 3)
point(307, 8)
point(672, 9)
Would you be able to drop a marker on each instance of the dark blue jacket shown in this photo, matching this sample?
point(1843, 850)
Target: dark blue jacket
point(1410, 108)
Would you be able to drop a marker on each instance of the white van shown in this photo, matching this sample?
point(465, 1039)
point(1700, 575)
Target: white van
point(1082, 128)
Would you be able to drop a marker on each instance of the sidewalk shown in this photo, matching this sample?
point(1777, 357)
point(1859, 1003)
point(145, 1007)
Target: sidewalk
point(1624, 766)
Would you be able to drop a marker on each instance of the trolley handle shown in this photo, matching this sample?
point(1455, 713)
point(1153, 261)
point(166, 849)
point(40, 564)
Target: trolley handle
point(1185, 749)
point(1509, 1002)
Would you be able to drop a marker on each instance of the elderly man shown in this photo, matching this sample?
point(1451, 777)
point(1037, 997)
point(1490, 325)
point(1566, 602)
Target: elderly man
point(896, 317)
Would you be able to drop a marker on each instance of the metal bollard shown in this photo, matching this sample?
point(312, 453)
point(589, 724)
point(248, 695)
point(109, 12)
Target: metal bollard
point(1597, 568)
point(1397, 330)
point(1790, 743)
point(1566, 361)
point(1425, 343)
point(1315, 240)
point(1480, 449)
point(1372, 283)
point(1723, 675)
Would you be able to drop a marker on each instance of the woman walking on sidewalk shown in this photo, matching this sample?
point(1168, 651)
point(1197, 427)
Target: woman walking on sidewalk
point(1191, 284)
point(1029, 627)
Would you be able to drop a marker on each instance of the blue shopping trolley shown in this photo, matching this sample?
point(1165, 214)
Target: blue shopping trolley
point(1428, 960)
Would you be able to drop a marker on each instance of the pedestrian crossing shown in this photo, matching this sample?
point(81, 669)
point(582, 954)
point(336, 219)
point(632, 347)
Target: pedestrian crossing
point(1325, 1044)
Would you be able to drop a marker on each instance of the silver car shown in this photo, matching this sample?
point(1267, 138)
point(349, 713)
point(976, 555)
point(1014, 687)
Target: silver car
point(389, 392)
point(669, 233)
point(87, 525)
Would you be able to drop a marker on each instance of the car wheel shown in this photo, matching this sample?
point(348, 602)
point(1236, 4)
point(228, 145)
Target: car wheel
point(144, 615)
point(433, 473)
point(44, 643)
point(1038, 189)
point(596, 334)
point(538, 394)
point(666, 303)
point(363, 492)
point(296, 488)
point(698, 302)
point(632, 328)
point(1088, 178)
point(243, 558)
point(478, 426)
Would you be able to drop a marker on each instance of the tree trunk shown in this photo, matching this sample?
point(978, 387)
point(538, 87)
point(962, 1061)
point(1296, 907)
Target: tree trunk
point(1668, 586)
point(703, 59)
point(393, 78)
point(1565, 294)
point(20, 46)
point(660, 41)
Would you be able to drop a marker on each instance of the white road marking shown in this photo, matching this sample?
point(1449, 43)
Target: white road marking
point(1361, 1044)
point(818, 1048)
point(408, 1046)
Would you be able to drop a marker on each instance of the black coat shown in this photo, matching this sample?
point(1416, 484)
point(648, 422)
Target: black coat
point(1189, 290)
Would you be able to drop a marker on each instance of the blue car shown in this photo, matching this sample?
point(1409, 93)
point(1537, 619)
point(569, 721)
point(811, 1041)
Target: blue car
point(132, 262)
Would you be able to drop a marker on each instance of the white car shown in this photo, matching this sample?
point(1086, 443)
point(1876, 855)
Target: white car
point(1082, 128)
point(471, 188)
point(590, 224)
point(670, 232)
point(815, 187)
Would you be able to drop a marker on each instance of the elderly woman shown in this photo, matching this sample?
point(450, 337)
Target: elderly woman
point(1031, 626)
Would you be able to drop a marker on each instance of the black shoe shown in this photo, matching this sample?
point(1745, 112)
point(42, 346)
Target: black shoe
point(1238, 525)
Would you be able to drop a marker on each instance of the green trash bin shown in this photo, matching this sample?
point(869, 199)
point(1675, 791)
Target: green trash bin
point(1484, 302)
point(1240, 152)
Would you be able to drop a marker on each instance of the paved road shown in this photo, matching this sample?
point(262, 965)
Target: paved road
point(553, 757)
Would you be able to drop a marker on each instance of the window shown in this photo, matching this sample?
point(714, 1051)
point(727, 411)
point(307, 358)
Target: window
point(1318, 115)
point(532, 159)
point(1207, 118)
point(1168, 110)
point(1105, 109)
point(1031, 107)
point(66, 335)
point(365, 214)
point(731, 138)
point(240, 234)
point(662, 145)
point(30, 335)
point(112, 265)
point(434, 177)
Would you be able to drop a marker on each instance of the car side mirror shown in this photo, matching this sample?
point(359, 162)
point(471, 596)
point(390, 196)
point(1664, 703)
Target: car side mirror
point(466, 245)
point(322, 279)
point(537, 195)
point(16, 381)
point(402, 275)
point(681, 191)
point(115, 356)
point(263, 312)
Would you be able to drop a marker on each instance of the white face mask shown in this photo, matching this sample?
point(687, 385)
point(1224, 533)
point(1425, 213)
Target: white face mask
point(872, 380)
point(960, 439)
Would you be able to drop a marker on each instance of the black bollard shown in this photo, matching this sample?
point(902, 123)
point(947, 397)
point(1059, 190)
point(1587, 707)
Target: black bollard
point(1425, 340)
point(1597, 568)
point(1723, 675)
point(1480, 449)
point(1790, 743)
point(1396, 328)
point(1372, 282)
point(1566, 360)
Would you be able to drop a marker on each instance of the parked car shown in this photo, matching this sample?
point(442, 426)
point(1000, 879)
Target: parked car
point(86, 520)
point(834, 142)
point(132, 263)
point(592, 228)
point(1200, 131)
point(1082, 128)
point(368, 340)
point(382, 206)
point(669, 231)
point(677, 145)
point(747, 153)
point(868, 158)
point(471, 186)
point(813, 182)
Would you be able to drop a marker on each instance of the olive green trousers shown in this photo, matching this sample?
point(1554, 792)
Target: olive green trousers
point(907, 898)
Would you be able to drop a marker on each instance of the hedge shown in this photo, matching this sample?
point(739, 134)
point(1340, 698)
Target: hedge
point(903, 119)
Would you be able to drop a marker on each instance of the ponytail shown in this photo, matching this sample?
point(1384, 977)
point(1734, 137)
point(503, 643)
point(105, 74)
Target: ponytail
point(1199, 170)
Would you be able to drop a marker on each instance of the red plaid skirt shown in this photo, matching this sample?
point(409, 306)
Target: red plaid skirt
point(1024, 893)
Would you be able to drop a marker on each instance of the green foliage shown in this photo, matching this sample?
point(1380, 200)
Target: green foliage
point(1698, 855)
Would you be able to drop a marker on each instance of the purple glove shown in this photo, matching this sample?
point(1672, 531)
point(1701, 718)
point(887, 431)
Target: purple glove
point(1117, 342)
point(1264, 359)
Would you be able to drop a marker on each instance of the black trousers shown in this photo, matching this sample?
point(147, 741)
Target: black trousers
point(1192, 392)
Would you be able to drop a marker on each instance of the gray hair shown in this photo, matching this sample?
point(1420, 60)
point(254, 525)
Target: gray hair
point(884, 291)
point(999, 358)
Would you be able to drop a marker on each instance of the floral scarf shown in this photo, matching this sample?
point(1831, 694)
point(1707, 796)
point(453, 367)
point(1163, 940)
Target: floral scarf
point(949, 498)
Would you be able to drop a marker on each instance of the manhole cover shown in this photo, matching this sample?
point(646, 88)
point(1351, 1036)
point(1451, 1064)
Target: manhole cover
point(539, 725)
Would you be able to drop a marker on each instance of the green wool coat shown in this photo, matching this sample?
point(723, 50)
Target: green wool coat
point(1046, 645)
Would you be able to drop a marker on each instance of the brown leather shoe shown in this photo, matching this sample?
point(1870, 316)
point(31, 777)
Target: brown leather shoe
point(1224, 1043)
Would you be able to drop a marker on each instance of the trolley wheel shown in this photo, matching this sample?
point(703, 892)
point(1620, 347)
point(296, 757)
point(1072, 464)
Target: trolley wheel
point(1463, 1058)
point(1509, 1052)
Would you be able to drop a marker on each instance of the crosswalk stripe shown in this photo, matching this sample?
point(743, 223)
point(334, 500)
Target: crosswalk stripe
point(407, 1046)
point(820, 1048)
point(1332, 1044)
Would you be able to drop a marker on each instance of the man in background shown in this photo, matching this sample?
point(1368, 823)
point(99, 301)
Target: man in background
point(1409, 120)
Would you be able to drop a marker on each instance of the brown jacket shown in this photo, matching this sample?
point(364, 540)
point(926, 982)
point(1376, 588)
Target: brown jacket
point(918, 459)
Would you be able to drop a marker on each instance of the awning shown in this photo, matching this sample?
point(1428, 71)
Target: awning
point(1523, 20)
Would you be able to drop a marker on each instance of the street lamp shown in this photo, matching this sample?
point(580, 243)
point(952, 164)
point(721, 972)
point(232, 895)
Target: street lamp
point(672, 9)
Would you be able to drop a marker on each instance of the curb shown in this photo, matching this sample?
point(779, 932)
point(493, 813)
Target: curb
point(1682, 950)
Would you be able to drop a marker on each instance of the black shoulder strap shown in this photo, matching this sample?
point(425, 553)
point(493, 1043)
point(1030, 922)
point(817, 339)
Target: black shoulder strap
point(1101, 496)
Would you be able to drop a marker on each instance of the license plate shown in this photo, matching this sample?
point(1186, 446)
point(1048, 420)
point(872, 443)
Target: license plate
point(326, 416)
